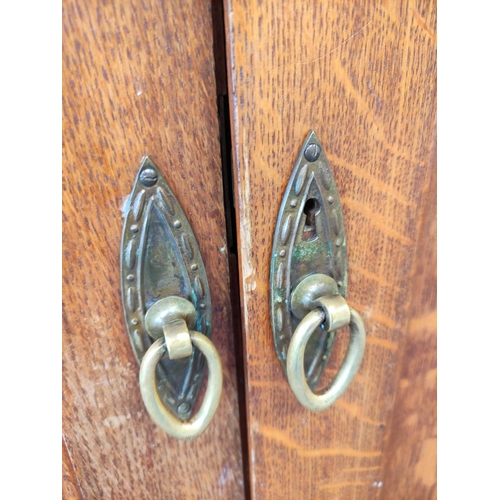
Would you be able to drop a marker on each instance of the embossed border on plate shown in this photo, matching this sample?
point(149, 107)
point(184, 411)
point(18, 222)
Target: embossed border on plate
point(311, 174)
point(178, 381)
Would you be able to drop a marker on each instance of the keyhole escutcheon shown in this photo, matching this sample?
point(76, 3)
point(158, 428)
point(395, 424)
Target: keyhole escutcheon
point(311, 209)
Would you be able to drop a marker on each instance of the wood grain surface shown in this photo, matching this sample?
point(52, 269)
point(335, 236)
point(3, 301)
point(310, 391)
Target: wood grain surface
point(363, 76)
point(138, 79)
point(70, 486)
point(410, 459)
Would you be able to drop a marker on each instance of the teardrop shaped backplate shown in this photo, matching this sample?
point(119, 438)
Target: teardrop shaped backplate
point(309, 238)
point(160, 258)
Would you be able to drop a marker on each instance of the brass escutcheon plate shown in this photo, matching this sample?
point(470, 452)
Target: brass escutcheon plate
point(160, 258)
point(309, 239)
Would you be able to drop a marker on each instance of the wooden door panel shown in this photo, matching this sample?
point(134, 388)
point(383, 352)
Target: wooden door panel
point(410, 456)
point(363, 76)
point(138, 79)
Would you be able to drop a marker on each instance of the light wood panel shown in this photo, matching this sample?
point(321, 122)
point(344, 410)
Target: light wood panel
point(138, 79)
point(363, 76)
point(70, 487)
point(411, 453)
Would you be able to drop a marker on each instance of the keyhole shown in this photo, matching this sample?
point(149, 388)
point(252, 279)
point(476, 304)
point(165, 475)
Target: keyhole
point(311, 209)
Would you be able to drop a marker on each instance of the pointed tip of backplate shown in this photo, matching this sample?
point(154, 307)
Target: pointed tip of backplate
point(146, 161)
point(309, 238)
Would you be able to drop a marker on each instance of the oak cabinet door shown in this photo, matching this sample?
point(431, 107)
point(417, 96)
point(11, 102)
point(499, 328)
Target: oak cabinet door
point(138, 80)
point(363, 76)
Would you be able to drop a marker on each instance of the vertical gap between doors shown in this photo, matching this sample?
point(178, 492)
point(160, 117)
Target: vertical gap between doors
point(229, 208)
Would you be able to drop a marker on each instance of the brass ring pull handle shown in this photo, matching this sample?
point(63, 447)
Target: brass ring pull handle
point(308, 280)
point(161, 415)
point(331, 312)
point(168, 320)
point(166, 298)
point(295, 361)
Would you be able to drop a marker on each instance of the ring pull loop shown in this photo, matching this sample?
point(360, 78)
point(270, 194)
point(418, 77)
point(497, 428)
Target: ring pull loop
point(161, 415)
point(332, 312)
point(168, 319)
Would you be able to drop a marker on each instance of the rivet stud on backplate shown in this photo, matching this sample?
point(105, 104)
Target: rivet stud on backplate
point(312, 151)
point(148, 177)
